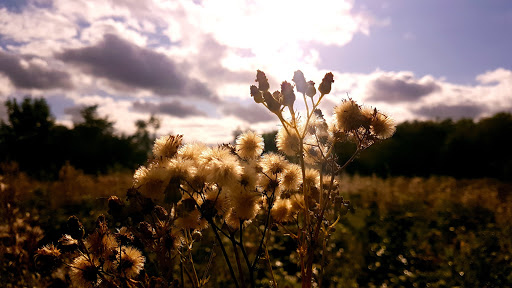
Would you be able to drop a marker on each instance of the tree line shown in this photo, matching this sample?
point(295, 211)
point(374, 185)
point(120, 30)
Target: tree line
point(30, 137)
point(463, 149)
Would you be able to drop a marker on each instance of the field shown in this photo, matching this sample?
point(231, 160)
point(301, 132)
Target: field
point(401, 232)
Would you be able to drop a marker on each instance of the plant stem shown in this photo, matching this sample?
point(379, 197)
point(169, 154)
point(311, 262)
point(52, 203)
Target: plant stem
point(226, 257)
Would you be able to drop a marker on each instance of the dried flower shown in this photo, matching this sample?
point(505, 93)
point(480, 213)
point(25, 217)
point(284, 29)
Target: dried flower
point(272, 101)
point(348, 115)
point(244, 204)
point(300, 81)
point(383, 126)
point(281, 210)
point(287, 94)
point(167, 146)
point(325, 86)
point(256, 94)
point(131, 262)
point(262, 80)
point(288, 142)
point(291, 178)
point(85, 272)
point(249, 145)
point(273, 163)
point(310, 89)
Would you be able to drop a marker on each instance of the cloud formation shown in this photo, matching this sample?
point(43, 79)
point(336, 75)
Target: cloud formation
point(402, 87)
point(173, 108)
point(251, 114)
point(32, 73)
point(127, 65)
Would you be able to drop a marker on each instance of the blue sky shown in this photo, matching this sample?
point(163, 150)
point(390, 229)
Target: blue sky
point(192, 62)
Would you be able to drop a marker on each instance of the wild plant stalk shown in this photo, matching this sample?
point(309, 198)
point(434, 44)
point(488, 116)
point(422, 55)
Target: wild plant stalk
point(186, 190)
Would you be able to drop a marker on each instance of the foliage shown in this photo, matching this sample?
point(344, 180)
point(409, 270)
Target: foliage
point(40, 147)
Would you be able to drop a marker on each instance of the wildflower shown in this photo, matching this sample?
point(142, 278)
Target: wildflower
point(348, 115)
point(85, 272)
point(191, 151)
point(291, 178)
point(101, 244)
point(244, 204)
point(287, 94)
point(249, 145)
point(167, 146)
point(220, 166)
point(296, 203)
point(281, 210)
point(273, 163)
point(262, 80)
point(67, 243)
point(48, 257)
point(191, 220)
point(131, 262)
point(249, 176)
point(75, 228)
point(288, 142)
point(312, 154)
point(325, 86)
point(256, 94)
point(180, 168)
point(383, 126)
point(272, 101)
point(300, 81)
point(312, 178)
point(310, 89)
point(153, 180)
point(214, 203)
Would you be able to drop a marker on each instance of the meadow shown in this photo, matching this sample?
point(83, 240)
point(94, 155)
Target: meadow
point(401, 232)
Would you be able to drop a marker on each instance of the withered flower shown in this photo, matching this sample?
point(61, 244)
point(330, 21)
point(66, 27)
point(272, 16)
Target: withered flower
point(300, 81)
point(288, 94)
point(325, 86)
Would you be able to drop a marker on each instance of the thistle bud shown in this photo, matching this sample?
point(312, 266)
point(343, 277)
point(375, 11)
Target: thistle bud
point(161, 213)
point(256, 94)
point(300, 81)
point(115, 206)
point(325, 86)
point(310, 89)
point(75, 228)
point(197, 235)
point(262, 81)
point(272, 104)
point(288, 95)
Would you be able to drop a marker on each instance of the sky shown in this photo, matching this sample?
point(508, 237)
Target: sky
point(191, 63)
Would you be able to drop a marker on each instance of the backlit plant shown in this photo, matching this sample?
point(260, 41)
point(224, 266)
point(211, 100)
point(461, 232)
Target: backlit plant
point(241, 196)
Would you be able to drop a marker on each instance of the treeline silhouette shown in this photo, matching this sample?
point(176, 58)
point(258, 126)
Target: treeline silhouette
point(31, 138)
point(462, 149)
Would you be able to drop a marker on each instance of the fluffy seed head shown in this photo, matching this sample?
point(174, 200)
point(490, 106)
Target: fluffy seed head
point(167, 146)
point(383, 126)
point(291, 178)
point(131, 262)
point(281, 210)
point(84, 272)
point(348, 115)
point(273, 163)
point(244, 204)
point(289, 144)
point(312, 178)
point(249, 145)
point(220, 166)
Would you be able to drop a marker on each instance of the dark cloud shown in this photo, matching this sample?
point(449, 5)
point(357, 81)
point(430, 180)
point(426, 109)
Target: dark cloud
point(251, 114)
point(173, 108)
point(401, 89)
point(31, 76)
point(125, 64)
point(209, 63)
point(451, 111)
